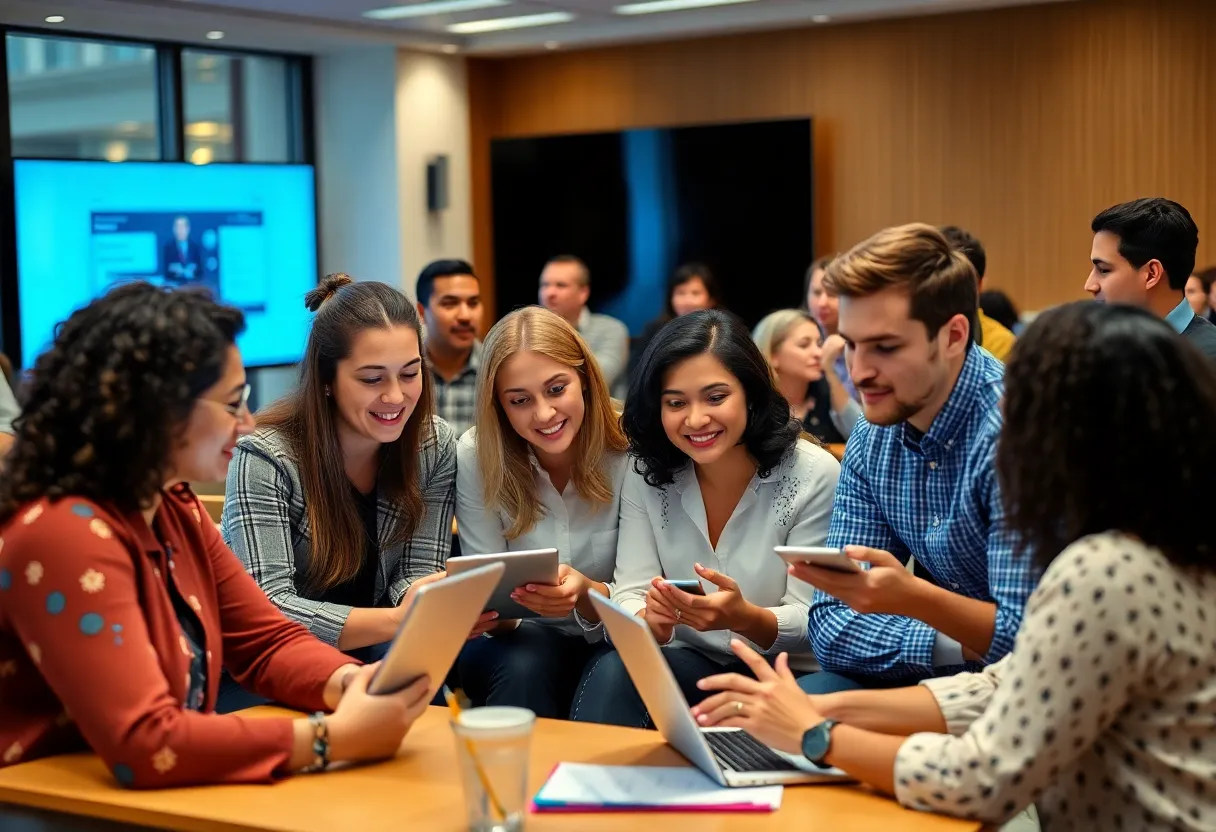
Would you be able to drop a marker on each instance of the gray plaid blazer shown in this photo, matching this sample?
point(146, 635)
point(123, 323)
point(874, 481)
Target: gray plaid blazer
point(265, 523)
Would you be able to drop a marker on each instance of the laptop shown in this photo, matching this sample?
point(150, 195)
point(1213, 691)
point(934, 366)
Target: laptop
point(730, 756)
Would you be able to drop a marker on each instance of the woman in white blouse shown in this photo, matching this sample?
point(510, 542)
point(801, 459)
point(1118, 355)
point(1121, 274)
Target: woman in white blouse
point(721, 476)
point(1104, 714)
point(542, 468)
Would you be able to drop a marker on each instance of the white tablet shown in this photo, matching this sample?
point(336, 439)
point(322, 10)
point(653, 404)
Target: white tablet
point(531, 566)
point(435, 628)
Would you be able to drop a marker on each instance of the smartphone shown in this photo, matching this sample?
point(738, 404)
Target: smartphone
point(692, 587)
point(824, 558)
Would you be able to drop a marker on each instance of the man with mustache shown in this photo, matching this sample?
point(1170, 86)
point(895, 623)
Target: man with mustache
point(449, 302)
point(917, 478)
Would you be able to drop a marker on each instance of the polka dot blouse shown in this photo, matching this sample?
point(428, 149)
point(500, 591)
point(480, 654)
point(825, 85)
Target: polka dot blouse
point(1104, 715)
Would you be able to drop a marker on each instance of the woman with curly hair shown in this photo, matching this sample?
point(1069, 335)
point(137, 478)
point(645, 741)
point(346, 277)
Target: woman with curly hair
point(342, 500)
point(543, 467)
point(119, 602)
point(721, 476)
point(1103, 715)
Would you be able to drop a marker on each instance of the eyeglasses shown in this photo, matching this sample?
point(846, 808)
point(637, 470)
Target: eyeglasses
point(235, 410)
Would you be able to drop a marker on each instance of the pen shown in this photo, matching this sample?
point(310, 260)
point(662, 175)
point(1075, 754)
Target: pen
point(454, 706)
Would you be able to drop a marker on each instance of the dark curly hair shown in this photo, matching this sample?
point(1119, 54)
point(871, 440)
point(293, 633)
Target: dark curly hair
point(109, 398)
point(1108, 425)
point(771, 429)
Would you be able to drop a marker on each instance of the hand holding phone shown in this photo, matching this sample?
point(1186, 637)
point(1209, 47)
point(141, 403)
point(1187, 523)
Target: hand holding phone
point(822, 557)
point(692, 587)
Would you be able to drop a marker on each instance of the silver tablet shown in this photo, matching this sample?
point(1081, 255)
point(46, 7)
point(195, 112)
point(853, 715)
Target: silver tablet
point(531, 566)
point(435, 628)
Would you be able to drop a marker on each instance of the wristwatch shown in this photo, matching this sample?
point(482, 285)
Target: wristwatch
point(817, 741)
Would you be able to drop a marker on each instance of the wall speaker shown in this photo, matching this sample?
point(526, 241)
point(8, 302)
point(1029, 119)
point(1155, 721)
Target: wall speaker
point(437, 183)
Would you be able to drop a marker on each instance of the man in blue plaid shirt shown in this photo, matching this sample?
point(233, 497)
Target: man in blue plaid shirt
point(917, 479)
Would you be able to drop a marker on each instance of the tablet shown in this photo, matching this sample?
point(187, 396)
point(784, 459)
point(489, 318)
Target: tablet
point(531, 566)
point(435, 628)
point(824, 558)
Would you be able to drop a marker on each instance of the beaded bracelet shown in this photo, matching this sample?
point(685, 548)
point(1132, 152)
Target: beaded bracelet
point(320, 743)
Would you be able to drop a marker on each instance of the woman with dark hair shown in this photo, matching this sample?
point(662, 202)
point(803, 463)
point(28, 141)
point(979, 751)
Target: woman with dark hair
point(1199, 291)
point(997, 305)
point(119, 602)
point(691, 287)
point(342, 500)
point(720, 477)
point(1103, 714)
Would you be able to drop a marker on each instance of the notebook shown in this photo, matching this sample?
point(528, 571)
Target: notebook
point(583, 787)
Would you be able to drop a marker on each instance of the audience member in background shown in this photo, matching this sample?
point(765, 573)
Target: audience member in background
point(825, 308)
point(1103, 714)
point(1143, 253)
point(691, 287)
point(993, 336)
point(1200, 294)
point(119, 602)
point(997, 306)
point(9, 411)
point(449, 302)
point(917, 478)
point(543, 468)
point(565, 285)
point(341, 502)
point(721, 477)
point(790, 341)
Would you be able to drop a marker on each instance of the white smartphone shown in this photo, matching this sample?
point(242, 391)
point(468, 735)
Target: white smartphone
point(824, 558)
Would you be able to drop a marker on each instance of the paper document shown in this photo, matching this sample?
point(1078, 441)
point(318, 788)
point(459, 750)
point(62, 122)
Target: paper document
point(584, 787)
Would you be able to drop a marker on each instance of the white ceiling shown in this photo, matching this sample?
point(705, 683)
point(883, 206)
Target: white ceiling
point(319, 26)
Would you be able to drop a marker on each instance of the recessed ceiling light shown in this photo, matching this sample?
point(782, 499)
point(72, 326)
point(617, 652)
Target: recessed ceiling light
point(821, 18)
point(653, 6)
point(499, 24)
point(433, 7)
point(552, 44)
point(449, 49)
point(215, 35)
point(55, 18)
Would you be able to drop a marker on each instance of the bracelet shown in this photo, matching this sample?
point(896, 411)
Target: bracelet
point(320, 744)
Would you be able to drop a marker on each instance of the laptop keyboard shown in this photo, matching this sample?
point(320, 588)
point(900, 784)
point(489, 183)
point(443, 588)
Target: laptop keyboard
point(740, 751)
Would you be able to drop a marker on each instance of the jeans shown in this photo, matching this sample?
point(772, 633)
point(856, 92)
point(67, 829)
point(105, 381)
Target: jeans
point(607, 694)
point(536, 666)
point(827, 682)
point(232, 697)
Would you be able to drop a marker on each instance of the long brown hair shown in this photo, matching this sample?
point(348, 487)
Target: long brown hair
point(503, 455)
point(307, 419)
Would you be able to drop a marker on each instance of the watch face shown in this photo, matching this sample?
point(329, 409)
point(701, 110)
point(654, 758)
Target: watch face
point(815, 742)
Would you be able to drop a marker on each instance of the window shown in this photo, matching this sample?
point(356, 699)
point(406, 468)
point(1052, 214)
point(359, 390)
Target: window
point(80, 99)
point(235, 107)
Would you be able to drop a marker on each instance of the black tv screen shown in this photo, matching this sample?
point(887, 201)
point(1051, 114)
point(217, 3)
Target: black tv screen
point(636, 204)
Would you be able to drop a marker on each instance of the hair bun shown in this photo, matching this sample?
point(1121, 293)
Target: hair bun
point(328, 286)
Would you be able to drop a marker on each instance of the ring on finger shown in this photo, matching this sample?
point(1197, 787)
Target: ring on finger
point(738, 707)
point(679, 614)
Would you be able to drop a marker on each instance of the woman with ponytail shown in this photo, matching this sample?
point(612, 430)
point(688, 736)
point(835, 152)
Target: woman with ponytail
point(341, 502)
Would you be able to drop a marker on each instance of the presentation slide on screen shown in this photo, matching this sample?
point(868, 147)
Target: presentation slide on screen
point(246, 233)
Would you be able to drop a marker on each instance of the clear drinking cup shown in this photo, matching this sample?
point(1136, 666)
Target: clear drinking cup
point(493, 745)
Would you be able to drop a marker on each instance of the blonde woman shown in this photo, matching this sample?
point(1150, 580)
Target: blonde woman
point(543, 467)
point(791, 342)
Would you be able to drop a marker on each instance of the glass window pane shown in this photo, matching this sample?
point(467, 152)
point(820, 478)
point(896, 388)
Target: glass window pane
point(235, 108)
point(80, 99)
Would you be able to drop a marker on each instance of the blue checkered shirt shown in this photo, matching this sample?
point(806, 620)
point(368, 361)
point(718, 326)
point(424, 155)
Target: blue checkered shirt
point(936, 499)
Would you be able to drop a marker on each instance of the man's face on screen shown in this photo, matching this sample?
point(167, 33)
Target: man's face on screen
point(181, 228)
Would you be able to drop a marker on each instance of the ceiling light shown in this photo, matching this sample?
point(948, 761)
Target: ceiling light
point(551, 44)
point(202, 155)
point(116, 151)
point(498, 24)
point(215, 35)
point(449, 49)
point(821, 18)
point(203, 129)
point(55, 18)
point(433, 7)
point(653, 6)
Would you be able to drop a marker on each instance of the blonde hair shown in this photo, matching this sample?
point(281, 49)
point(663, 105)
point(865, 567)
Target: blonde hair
point(775, 327)
point(916, 258)
point(504, 456)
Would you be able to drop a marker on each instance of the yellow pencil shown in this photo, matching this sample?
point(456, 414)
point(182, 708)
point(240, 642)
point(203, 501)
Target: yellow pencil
point(454, 706)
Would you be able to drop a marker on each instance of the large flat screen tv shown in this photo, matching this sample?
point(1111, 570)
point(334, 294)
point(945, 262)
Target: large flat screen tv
point(247, 233)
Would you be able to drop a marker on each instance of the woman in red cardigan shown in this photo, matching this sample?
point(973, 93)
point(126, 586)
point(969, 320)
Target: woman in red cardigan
point(119, 602)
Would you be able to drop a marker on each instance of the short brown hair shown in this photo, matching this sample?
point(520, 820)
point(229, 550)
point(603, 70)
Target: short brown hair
point(584, 273)
point(918, 259)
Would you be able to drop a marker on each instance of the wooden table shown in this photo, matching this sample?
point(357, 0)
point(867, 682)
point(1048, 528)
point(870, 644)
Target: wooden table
point(421, 790)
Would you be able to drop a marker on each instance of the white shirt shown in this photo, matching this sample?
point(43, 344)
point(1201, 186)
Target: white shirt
point(585, 535)
point(1104, 714)
point(664, 532)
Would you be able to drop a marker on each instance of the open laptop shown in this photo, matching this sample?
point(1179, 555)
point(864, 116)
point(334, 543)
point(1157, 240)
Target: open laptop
point(731, 756)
